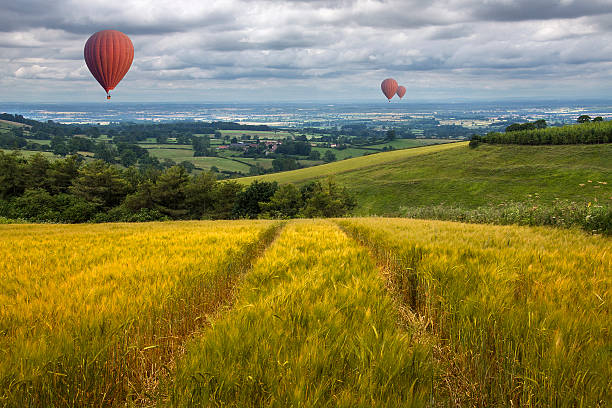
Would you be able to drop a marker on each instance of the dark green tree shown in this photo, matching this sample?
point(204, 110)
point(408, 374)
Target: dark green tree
point(248, 201)
point(200, 195)
point(540, 124)
point(36, 172)
point(314, 155)
point(62, 172)
point(128, 158)
point(58, 146)
point(226, 194)
point(284, 164)
point(101, 184)
point(326, 199)
point(12, 174)
point(285, 203)
point(105, 151)
point(201, 146)
point(169, 192)
point(329, 156)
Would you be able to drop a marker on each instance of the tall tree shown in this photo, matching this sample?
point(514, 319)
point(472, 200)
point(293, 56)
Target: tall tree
point(247, 201)
point(169, 191)
point(200, 195)
point(101, 184)
point(12, 177)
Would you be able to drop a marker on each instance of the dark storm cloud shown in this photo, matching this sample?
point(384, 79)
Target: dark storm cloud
point(450, 33)
point(524, 10)
point(88, 17)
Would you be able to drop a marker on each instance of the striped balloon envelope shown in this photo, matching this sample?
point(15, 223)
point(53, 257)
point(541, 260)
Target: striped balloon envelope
point(389, 87)
point(109, 55)
point(401, 91)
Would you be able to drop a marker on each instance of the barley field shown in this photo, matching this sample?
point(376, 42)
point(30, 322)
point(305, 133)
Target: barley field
point(90, 314)
point(308, 313)
point(313, 327)
point(521, 315)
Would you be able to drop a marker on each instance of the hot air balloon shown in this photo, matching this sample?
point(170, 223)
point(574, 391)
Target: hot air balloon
point(109, 54)
point(389, 87)
point(401, 91)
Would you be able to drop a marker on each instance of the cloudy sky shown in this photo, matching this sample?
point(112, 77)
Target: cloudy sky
point(318, 50)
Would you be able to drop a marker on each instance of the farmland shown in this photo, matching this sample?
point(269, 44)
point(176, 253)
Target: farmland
point(351, 312)
point(239, 151)
point(91, 314)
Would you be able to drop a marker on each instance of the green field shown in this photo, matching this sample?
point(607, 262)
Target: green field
point(453, 174)
point(349, 165)
point(262, 134)
point(409, 143)
point(30, 153)
point(343, 153)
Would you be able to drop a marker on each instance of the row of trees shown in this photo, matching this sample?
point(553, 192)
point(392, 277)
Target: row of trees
point(584, 133)
point(71, 190)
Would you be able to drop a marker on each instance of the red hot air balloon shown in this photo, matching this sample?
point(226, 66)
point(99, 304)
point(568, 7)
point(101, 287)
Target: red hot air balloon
point(401, 91)
point(109, 54)
point(389, 87)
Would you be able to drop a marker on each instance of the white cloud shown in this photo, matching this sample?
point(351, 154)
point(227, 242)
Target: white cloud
point(321, 46)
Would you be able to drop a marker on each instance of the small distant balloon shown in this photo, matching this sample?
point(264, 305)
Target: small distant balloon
point(401, 91)
point(389, 87)
point(109, 55)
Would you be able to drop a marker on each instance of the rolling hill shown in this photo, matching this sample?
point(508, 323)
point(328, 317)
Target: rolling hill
point(456, 175)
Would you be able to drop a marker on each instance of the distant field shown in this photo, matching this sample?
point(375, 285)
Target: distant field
point(40, 142)
point(265, 163)
point(349, 165)
point(8, 123)
point(263, 134)
point(30, 153)
point(344, 153)
point(221, 163)
point(455, 175)
point(408, 143)
point(177, 154)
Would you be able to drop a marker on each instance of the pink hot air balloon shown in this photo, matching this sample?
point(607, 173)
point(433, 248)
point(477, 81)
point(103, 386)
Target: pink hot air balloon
point(389, 87)
point(401, 91)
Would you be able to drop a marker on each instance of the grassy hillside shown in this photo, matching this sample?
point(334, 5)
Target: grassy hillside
point(455, 175)
point(350, 165)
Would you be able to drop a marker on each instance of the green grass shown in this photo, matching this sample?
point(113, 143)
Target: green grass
point(30, 153)
point(265, 163)
point(347, 166)
point(409, 143)
point(344, 153)
point(221, 163)
point(453, 174)
point(205, 163)
point(9, 124)
point(40, 142)
point(166, 146)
